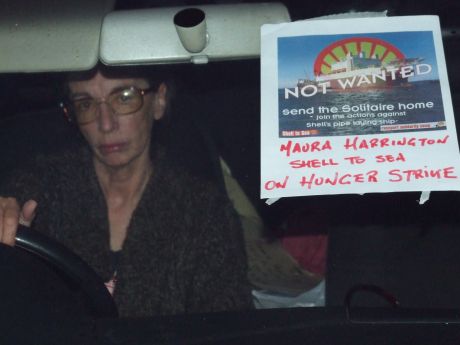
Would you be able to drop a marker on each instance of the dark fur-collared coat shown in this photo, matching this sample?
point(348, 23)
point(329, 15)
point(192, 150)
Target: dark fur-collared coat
point(184, 250)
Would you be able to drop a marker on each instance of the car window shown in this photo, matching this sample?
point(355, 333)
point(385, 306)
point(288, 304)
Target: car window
point(378, 245)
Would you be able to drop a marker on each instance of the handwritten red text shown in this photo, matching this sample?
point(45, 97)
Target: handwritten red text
point(315, 146)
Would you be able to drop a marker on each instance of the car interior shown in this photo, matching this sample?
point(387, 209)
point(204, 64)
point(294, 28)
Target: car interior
point(336, 269)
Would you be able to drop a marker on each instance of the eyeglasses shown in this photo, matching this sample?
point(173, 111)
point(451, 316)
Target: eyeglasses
point(123, 101)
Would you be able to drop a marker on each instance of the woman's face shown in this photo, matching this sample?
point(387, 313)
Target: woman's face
point(118, 140)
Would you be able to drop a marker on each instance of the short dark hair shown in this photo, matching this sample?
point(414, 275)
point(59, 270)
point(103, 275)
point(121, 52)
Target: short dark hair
point(154, 75)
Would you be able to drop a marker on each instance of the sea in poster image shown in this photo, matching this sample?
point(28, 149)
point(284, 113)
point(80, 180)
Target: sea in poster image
point(364, 122)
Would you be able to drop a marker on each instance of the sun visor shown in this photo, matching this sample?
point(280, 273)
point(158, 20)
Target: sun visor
point(50, 35)
point(183, 34)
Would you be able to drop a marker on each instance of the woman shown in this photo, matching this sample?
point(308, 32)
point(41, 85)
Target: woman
point(166, 242)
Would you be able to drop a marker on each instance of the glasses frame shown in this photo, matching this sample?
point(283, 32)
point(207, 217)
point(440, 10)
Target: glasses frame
point(71, 116)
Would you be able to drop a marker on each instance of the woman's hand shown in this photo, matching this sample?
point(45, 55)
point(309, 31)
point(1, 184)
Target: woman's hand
point(11, 215)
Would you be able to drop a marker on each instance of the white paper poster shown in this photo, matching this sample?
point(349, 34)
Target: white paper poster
point(356, 106)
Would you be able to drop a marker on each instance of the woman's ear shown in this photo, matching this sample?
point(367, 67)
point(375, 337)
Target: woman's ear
point(160, 101)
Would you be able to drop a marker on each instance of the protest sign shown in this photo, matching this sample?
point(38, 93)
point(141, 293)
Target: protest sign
point(356, 106)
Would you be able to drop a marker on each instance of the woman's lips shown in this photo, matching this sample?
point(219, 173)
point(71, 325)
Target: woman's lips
point(111, 148)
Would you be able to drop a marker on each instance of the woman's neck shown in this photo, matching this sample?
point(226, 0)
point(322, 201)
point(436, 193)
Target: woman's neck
point(124, 185)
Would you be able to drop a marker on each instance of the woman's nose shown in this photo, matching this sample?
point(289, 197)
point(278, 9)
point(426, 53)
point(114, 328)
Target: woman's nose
point(108, 120)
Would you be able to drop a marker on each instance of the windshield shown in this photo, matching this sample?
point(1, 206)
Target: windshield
point(374, 250)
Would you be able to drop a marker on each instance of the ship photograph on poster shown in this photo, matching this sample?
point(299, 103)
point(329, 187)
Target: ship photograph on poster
point(356, 84)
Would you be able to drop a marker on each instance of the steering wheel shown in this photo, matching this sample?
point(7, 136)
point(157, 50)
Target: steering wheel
point(67, 263)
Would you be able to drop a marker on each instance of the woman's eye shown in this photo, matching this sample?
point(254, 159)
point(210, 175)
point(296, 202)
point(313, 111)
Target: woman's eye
point(83, 105)
point(125, 96)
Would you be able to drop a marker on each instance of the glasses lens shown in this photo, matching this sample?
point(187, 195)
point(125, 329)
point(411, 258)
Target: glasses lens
point(84, 110)
point(126, 101)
